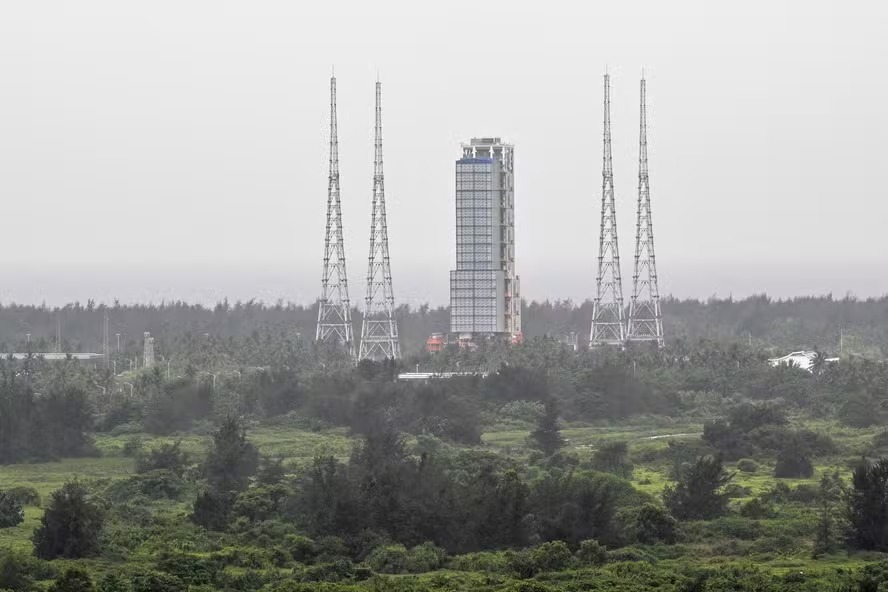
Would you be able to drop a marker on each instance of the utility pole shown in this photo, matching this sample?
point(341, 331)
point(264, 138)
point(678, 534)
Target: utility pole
point(608, 327)
point(645, 320)
point(334, 308)
point(379, 332)
point(106, 349)
point(118, 342)
point(58, 333)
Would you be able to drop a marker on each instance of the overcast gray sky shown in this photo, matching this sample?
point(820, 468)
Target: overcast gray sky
point(177, 149)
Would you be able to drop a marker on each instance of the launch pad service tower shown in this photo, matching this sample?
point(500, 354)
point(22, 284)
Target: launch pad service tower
point(485, 299)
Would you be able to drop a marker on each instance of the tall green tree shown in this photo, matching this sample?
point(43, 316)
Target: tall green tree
point(70, 526)
point(547, 435)
point(699, 493)
point(232, 459)
point(868, 505)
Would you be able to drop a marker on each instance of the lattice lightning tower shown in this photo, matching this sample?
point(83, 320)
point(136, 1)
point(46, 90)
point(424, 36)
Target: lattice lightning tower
point(334, 309)
point(645, 321)
point(608, 327)
point(379, 332)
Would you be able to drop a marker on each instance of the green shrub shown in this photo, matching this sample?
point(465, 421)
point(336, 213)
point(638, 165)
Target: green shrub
point(301, 548)
point(11, 512)
point(653, 524)
point(113, 582)
point(336, 571)
point(14, 573)
point(73, 580)
point(747, 465)
point(191, 569)
point(592, 553)
point(169, 456)
point(551, 556)
point(630, 554)
point(520, 563)
point(483, 561)
point(530, 587)
point(756, 509)
point(145, 580)
point(26, 496)
point(133, 446)
point(390, 559)
point(133, 427)
point(783, 544)
point(792, 463)
point(330, 549)
point(734, 527)
point(425, 557)
point(613, 457)
point(158, 484)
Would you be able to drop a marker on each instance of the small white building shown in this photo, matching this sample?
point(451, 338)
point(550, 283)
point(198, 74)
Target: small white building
point(799, 359)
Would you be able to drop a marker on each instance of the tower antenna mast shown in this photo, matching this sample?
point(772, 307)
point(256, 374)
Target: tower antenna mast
point(379, 332)
point(334, 309)
point(645, 320)
point(608, 327)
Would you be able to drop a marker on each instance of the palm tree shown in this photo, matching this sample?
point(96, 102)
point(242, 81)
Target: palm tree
point(818, 363)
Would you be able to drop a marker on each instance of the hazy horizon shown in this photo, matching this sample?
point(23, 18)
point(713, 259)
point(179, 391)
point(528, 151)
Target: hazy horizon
point(178, 151)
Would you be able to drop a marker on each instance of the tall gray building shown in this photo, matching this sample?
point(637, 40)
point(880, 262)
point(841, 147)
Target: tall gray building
point(485, 300)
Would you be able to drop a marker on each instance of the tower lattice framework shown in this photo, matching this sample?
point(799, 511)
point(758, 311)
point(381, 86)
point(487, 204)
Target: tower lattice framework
point(379, 331)
point(645, 321)
point(608, 327)
point(334, 308)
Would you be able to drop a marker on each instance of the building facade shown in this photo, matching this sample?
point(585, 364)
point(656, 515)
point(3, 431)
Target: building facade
point(485, 297)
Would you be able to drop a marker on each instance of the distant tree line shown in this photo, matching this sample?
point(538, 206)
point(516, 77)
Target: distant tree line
point(803, 322)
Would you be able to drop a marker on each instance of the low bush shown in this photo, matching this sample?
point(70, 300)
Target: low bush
point(301, 548)
point(26, 496)
point(425, 557)
point(630, 554)
point(336, 571)
point(792, 463)
point(11, 512)
point(483, 562)
point(592, 553)
point(551, 556)
point(734, 527)
point(390, 559)
point(747, 465)
point(756, 509)
point(73, 580)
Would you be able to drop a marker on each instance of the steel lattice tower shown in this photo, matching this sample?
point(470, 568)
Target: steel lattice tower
point(379, 332)
point(334, 309)
point(608, 327)
point(645, 321)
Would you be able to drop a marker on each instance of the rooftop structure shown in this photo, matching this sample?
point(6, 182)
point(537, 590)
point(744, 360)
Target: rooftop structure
point(53, 356)
point(800, 359)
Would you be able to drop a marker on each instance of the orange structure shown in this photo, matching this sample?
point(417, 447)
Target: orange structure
point(435, 343)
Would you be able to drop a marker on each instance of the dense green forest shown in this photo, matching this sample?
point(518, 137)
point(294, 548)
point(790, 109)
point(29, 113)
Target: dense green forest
point(810, 322)
point(252, 458)
point(260, 461)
